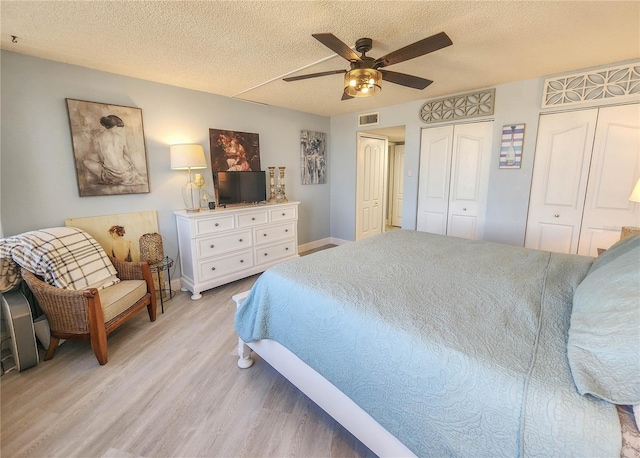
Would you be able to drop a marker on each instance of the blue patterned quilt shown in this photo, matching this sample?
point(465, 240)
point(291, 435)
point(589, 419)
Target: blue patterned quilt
point(456, 347)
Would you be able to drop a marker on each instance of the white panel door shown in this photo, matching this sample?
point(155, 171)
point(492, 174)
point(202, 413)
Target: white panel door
point(615, 168)
point(370, 186)
point(559, 184)
point(433, 186)
point(398, 183)
point(470, 164)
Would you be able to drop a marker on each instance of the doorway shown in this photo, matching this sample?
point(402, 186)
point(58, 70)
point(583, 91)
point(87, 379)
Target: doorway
point(387, 172)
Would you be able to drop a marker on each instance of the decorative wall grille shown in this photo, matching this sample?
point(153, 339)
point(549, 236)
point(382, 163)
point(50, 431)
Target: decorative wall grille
point(617, 83)
point(463, 106)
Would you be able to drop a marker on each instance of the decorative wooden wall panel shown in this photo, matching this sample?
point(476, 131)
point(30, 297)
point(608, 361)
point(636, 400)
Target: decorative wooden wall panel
point(617, 83)
point(463, 106)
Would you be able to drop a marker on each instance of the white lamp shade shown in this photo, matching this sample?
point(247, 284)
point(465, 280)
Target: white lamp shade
point(635, 194)
point(184, 157)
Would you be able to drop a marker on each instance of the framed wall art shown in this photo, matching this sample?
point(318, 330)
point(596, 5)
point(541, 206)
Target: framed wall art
point(313, 157)
point(119, 234)
point(108, 148)
point(511, 146)
point(234, 151)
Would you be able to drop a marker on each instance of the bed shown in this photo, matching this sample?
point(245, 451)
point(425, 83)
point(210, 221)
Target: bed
point(421, 344)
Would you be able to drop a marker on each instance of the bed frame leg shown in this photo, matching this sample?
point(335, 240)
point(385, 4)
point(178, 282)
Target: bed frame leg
point(244, 352)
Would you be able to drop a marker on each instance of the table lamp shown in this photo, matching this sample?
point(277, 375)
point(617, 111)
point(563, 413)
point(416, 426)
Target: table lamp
point(187, 157)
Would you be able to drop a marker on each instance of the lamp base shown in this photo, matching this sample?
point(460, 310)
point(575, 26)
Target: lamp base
point(191, 195)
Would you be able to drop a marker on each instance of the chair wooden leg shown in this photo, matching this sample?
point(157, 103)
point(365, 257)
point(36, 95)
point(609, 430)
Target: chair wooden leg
point(152, 312)
point(97, 331)
point(99, 346)
point(53, 344)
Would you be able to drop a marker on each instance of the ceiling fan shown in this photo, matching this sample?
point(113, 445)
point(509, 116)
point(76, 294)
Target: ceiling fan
point(366, 74)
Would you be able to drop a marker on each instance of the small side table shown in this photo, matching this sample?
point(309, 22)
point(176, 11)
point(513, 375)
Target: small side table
point(158, 268)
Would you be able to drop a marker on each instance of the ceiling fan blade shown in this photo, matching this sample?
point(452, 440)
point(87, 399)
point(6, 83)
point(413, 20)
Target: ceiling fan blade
point(417, 49)
point(336, 45)
point(345, 96)
point(313, 75)
point(405, 80)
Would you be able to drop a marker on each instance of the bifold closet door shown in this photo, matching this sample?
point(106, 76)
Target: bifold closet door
point(470, 164)
point(454, 172)
point(436, 147)
point(585, 167)
point(559, 184)
point(615, 168)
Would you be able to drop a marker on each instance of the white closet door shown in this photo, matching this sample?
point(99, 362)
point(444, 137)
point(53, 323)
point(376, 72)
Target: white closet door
point(370, 186)
point(469, 179)
point(398, 184)
point(559, 184)
point(615, 168)
point(433, 185)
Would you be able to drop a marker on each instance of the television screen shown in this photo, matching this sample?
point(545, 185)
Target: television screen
point(241, 187)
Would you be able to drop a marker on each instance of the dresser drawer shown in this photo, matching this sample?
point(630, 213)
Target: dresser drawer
point(219, 267)
point(252, 219)
point(271, 253)
point(273, 233)
point(282, 214)
point(212, 225)
point(211, 246)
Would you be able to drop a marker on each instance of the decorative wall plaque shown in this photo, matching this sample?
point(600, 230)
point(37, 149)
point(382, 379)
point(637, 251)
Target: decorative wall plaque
point(463, 106)
point(616, 83)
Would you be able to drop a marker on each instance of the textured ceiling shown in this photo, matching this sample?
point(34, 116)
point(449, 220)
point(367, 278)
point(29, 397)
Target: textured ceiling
point(242, 49)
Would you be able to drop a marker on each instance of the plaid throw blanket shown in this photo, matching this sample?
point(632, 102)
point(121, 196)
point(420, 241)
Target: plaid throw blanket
point(66, 257)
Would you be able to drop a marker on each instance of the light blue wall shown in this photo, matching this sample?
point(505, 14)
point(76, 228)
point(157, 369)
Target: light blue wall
point(508, 194)
point(38, 182)
point(37, 178)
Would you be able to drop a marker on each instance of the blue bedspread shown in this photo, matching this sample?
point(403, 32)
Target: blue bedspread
point(456, 347)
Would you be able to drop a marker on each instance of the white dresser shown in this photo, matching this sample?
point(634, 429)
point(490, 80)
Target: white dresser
point(227, 244)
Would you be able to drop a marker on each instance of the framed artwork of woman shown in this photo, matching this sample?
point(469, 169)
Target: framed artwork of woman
point(234, 151)
point(108, 148)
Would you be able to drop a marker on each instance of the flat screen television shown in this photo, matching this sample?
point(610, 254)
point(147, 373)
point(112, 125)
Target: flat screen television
point(241, 187)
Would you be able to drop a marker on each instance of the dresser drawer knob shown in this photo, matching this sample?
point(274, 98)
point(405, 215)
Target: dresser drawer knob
point(253, 219)
point(286, 249)
point(265, 254)
point(556, 216)
point(212, 246)
point(241, 261)
point(284, 214)
point(286, 230)
point(240, 240)
point(264, 235)
point(216, 225)
point(213, 268)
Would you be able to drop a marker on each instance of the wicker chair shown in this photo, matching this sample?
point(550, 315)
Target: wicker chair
point(92, 314)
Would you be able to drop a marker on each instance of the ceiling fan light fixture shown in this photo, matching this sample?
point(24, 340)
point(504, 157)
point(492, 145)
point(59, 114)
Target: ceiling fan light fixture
point(362, 82)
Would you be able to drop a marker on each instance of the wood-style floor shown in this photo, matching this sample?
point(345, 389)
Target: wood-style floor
point(170, 389)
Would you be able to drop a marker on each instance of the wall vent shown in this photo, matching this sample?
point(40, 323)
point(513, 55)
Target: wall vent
point(368, 119)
